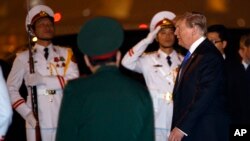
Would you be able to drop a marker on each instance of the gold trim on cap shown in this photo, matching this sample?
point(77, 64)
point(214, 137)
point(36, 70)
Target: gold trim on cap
point(41, 14)
point(165, 23)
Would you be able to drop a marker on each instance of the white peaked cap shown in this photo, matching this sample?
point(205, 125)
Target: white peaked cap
point(159, 17)
point(42, 10)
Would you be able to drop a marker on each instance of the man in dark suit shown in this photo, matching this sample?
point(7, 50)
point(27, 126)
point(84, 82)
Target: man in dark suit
point(105, 106)
point(199, 104)
point(218, 35)
point(239, 84)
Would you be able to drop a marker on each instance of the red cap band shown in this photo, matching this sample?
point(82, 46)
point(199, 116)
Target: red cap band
point(104, 56)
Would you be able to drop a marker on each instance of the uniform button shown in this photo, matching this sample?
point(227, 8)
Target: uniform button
point(47, 68)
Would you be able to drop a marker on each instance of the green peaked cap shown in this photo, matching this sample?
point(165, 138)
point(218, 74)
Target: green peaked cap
point(100, 36)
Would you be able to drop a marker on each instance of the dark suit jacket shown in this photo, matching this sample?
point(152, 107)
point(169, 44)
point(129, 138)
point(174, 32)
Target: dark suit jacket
point(238, 92)
point(199, 104)
point(106, 106)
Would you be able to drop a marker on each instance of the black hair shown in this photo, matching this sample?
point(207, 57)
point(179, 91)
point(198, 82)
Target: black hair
point(220, 29)
point(102, 61)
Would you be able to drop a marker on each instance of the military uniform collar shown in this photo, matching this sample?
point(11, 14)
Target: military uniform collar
point(163, 54)
point(40, 48)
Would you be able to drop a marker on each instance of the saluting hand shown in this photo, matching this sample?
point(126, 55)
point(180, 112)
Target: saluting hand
point(151, 36)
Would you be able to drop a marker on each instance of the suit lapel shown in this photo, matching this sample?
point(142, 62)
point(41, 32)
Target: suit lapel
point(184, 70)
point(201, 46)
point(188, 64)
point(191, 63)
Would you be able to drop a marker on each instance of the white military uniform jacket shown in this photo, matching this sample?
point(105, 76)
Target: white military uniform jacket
point(5, 106)
point(159, 77)
point(57, 69)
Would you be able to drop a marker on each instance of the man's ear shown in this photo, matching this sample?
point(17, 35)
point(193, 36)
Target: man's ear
point(118, 58)
point(194, 30)
point(224, 44)
point(87, 62)
point(156, 38)
point(89, 65)
point(31, 29)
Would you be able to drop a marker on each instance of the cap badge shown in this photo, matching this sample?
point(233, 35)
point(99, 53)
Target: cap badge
point(43, 13)
point(164, 22)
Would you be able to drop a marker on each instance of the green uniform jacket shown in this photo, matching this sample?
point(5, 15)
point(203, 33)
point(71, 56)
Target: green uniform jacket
point(106, 106)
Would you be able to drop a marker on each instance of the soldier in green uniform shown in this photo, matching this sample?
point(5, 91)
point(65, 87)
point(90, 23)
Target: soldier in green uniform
point(107, 105)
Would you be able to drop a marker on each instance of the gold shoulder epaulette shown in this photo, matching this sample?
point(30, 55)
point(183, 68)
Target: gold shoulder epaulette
point(149, 53)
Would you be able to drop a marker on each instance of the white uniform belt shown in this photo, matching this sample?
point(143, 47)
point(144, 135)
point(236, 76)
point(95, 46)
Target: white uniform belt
point(46, 92)
point(158, 97)
point(161, 95)
point(165, 96)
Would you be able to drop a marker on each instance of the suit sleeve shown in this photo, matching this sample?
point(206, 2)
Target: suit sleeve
point(207, 89)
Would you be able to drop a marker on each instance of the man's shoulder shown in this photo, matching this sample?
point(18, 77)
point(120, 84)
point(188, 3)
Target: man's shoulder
point(150, 53)
point(77, 81)
point(62, 48)
point(76, 86)
point(23, 54)
point(177, 55)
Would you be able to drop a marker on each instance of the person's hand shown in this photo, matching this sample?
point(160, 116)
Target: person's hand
point(151, 36)
point(31, 120)
point(1, 138)
point(175, 135)
point(34, 79)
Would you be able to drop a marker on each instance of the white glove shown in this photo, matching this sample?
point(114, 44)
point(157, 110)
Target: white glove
point(35, 79)
point(151, 35)
point(30, 119)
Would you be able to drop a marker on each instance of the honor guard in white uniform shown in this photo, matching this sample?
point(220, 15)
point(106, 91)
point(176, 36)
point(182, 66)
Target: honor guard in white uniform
point(159, 69)
point(53, 67)
point(5, 107)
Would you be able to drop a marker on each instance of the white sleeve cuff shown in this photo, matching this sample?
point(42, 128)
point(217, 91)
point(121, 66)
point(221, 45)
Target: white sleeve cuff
point(182, 132)
point(23, 110)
